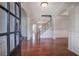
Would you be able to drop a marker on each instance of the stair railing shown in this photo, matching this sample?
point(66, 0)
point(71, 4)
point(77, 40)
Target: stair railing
point(46, 26)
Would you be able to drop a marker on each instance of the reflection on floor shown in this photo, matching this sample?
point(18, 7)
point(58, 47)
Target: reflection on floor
point(45, 47)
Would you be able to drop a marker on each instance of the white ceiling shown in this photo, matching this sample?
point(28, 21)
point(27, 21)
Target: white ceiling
point(34, 9)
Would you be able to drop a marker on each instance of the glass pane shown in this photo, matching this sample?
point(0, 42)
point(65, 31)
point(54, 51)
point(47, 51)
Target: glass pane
point(3, 45)
point(12, 7)
point(17, 24)
point(17, 8)
point(12, 42)
point(4, 4)
point(17, 39)
point(12, 23)
point(0, 46)
point(3, 21)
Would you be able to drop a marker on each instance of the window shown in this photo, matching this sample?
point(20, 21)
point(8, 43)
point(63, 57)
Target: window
point(10, 29)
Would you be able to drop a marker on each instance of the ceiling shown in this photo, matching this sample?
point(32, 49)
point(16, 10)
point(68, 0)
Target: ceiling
point(34, 9)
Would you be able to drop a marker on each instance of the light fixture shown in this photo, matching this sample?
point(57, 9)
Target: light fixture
point(40, 26)
point(44, 4)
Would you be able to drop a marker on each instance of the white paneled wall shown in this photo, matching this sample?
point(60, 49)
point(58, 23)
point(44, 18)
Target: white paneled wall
point(73, 41)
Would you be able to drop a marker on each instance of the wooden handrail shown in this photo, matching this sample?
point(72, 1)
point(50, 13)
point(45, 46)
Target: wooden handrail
point(46, 23)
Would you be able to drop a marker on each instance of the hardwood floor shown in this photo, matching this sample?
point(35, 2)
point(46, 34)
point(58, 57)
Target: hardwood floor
point(45, 47)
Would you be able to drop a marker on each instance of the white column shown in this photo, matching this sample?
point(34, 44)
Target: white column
point(54, 32)
point(34, 33)
point(28, 29)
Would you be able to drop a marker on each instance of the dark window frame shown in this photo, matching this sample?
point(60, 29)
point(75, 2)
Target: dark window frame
point(8, 33)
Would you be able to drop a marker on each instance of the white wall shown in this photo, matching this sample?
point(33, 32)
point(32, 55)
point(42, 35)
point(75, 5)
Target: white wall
point(73, 41)
point(47, 34)
point(23, 23)
point(61, 34)
point(29, 28)
point(61, 26)
point(24, 26)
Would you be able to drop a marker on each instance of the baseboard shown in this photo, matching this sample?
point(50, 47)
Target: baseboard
point(56, 38)
point(61, 37)
point(46, 38)
point(74, 51)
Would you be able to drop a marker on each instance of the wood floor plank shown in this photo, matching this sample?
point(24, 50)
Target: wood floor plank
point(46, 47)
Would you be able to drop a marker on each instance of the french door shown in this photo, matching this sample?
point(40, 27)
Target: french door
point(10, 26)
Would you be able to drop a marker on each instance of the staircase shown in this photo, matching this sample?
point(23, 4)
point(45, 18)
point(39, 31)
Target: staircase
point(46, 30)
point(45, 27)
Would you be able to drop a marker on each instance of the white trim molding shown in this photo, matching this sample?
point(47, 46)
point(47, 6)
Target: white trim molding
point(73, 51)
